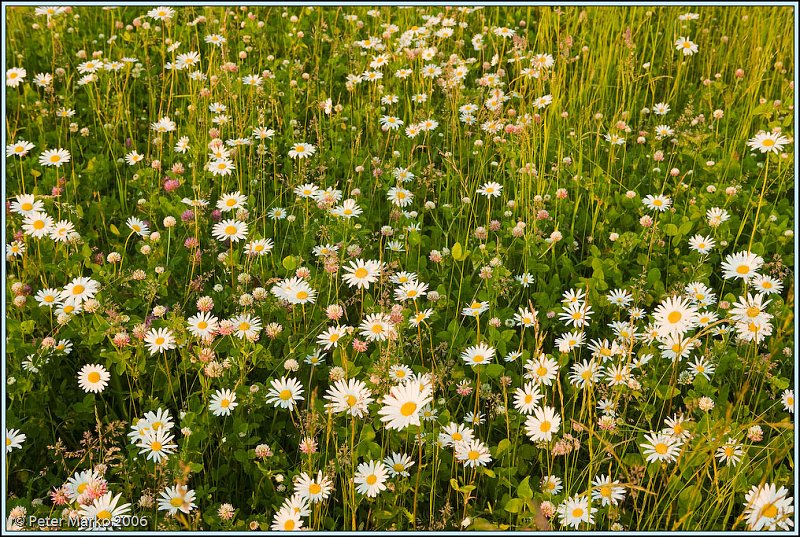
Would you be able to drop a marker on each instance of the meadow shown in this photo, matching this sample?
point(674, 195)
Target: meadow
point(423, 268)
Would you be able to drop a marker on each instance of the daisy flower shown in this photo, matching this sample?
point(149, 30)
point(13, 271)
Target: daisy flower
point(348, 209)
point(551, 485)
point(138, 226)
point(376, 327)
point(203, 324)
point(767, 285)
point(544, 422)
point(176, 498)
point(730, 453)
point(686, 46)
point(302, 150)
point(400, 196)
point(157, 444)
point(80, 289)
point(361, 273)
point(330, 337)
point(14, 439)
point(526, 398)
point(411, 291)
point(478, 354)
point(787, 398)
point(543, 370)
point(701, 244)
point(401, 406)
point(54, 157)
point(657, 203)
point(475, 309)
point(419, 317)
point(576, 314)
point(93, 378)
point(575, 511)
point(231, 202)
point(675, 315)
point(767, 142)
point(491, 189)
point(15, 76)
point(232, 230)
point(285, 392)
point(473, 453)
point(659, 447)
point(48, 297)
point(351, 396)
point(105, 511)
point(19, 148)
point(606, 491)
point(313, 490)
point(742, 265)
point(397, 464)
point(37, 224)
point(370, 478)
point(159, 340)
point(768, 507)
point(286, 519)
point(222, 403)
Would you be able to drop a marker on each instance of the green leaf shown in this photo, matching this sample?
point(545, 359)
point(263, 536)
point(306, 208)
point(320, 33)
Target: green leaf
point(524, 489)
point(502, 447)
point(671, 230)
point(495, 370)
point(289, 262)
point(114, 229)
point(457, 251)
point(513, 505)
point(454, 484)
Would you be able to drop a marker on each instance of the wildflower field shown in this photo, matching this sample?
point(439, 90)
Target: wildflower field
point(423, 268)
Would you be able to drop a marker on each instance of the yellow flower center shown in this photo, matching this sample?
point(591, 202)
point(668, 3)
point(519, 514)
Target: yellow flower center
point(49, 298)
point(371, 479)
point(105, 514)
point(473, 455)
point(541, 371)
point(39, 224)
point(350, 400)
point(605, 491)
point(577, 512)
point(743, 269)
point(457, 436)
point(753, 311)
point(93, 377)
point(244, 326)
point(289, 525)
point(398, 467)
point(411, 293)
point(769, 142)
point(545, 426)
point(361, 272)
point(661, 448)
point(202, 325)
point(285, 395)
point(528, 398)
point(82, 487)
point(314, 488)
point(334, 337)
point(769, 511)
point(230, 230)
point(674, 317)
point(231, 202)
point(176, 502)
point(299, 148)
point(302, 295)
point(155, 446)
point(159, 341)
point(225, 403)
point(54, 158)
point(408, 408)
point(26, 206)
point(478, 359)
